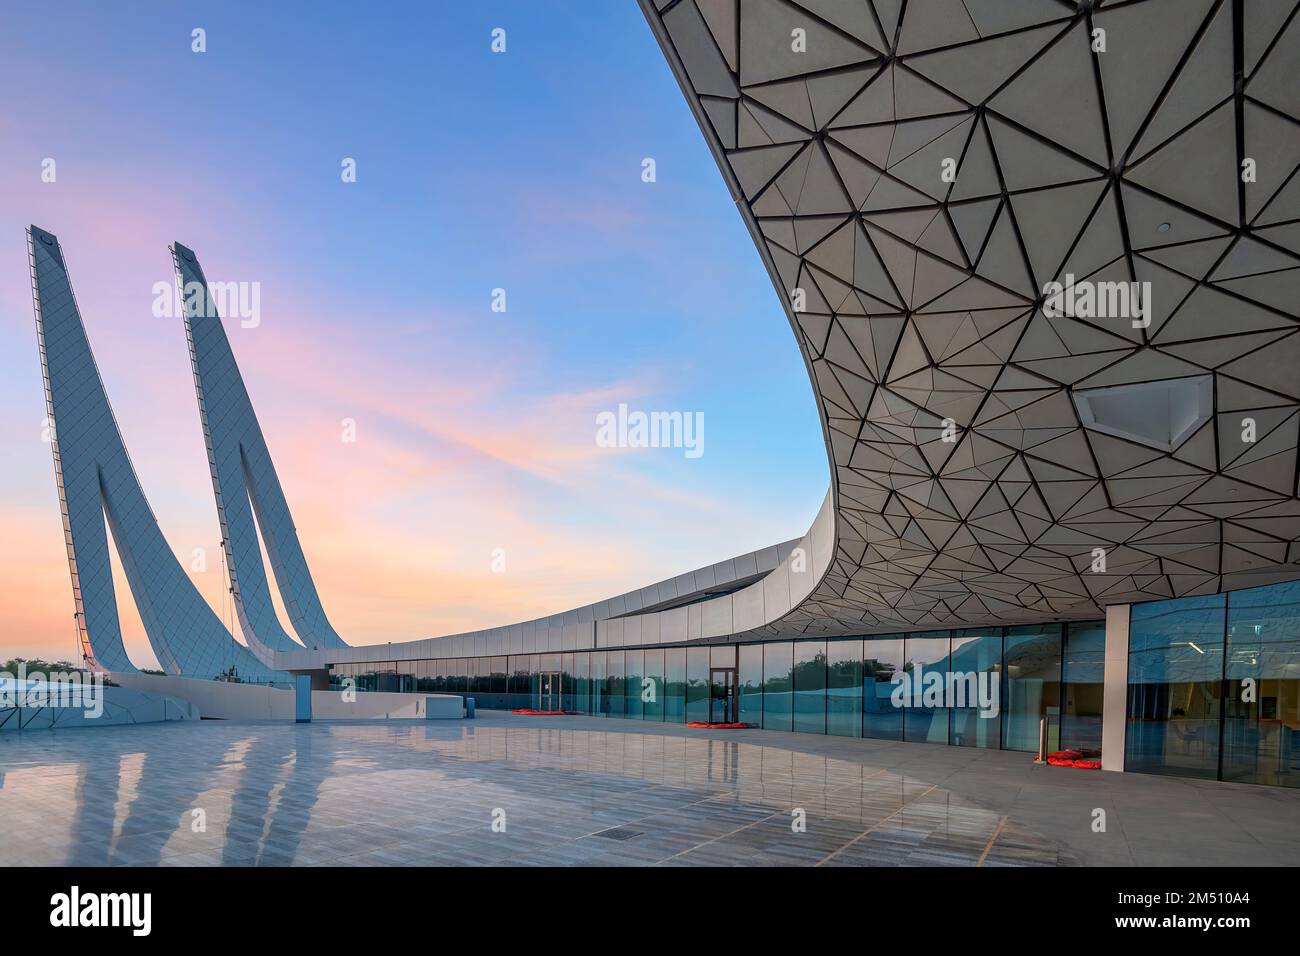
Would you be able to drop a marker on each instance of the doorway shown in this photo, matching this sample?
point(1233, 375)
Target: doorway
point(722, 695)
point(548, 691)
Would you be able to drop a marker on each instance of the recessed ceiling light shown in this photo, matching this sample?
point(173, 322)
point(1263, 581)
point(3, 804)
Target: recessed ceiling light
point(1163, 227)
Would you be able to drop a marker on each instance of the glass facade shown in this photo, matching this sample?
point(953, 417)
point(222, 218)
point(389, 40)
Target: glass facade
point(1082, 676)
point(674, 684)
point(925, 664)
point(988, 687)
point(844, 688)
point(652, 690)
point(1214, 686)
point(778, 686)
point(882, 661)
point(1175, 673)
point(750, 684)
point(1032, 688)
point(697, 684)
point(977, 657)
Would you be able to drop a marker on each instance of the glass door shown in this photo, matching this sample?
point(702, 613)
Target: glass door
point(548, 691)
point(722, 695)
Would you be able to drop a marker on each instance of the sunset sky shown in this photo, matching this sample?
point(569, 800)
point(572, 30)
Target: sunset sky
point(475, 430)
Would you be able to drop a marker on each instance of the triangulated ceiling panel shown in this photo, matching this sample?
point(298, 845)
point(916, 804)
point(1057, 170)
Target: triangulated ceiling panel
point(988, 215)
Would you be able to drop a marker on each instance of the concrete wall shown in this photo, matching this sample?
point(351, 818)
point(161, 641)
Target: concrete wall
point(226, 701)
point(120, 705)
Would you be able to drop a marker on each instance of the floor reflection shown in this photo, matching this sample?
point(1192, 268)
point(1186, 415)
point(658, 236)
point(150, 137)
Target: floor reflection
point(404, 793)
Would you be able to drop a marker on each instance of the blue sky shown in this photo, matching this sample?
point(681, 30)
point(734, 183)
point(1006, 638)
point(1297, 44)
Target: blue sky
point(475, 171)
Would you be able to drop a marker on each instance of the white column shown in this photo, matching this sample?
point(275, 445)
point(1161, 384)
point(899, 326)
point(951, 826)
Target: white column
point(1114, 705)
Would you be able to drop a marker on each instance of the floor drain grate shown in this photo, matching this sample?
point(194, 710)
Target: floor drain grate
point(618, 833)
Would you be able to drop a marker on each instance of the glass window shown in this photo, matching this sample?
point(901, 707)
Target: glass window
point(406, 677)
point(882, 669)
point(1261, 727)
point(634, 666)
point(675, 684)
point(500, 680)
point(1083, 669)
point(975, 688)
point(810, 687)
point(614, 683)
point(778, 686)
point(520, 683)
point(582, 683)
point(749, 685)
point(844, 688)
point(534, 680)
point(925, 718)
point(1175, 676)
point(1031, 686)
point(697, 683)
point(567, 695)
point(599, 687)
point(654, 688)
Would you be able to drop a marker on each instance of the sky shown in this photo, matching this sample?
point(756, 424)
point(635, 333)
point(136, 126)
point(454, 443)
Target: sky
point(475, 430)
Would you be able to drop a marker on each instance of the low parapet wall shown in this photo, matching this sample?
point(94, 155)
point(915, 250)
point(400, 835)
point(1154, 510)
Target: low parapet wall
point(227, 701)
point(32, 708)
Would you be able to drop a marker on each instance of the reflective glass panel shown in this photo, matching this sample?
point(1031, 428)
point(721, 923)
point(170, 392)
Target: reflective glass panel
point(697, 683)
point(614, 683)
point(778, 686)
point(653, 690)
point(976, 689)
point(810, 687)
point(750, 679)
point(1175, 671)
point(634, 670)
point(1261, 726)
point(1031, 686)
point(675, 684)
point(882, 667)
point(1083, 671)
point(844, 688)
point(925, 719)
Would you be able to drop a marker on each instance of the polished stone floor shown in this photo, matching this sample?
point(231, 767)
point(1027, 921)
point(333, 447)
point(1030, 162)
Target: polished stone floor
point(505, 790)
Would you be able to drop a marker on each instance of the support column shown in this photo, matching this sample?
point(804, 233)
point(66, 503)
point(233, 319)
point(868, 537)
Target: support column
point(1114, 705)
point(302, 698)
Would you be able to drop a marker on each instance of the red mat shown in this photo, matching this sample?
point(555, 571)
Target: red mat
point(1072, 758)
point(708, 726)
point(542, 713)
